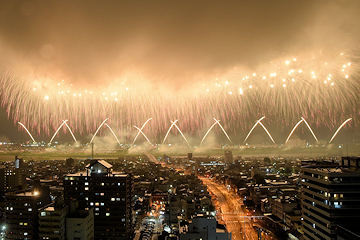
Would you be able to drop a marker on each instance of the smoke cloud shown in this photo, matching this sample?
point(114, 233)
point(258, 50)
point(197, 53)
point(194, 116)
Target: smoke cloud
point(167, 42)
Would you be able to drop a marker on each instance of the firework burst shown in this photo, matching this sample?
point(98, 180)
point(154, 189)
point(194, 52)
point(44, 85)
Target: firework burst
point(322, 89)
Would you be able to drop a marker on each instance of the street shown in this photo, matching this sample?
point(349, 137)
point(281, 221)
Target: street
point(230, 213)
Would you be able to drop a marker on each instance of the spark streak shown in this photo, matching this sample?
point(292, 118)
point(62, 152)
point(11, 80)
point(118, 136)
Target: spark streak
point(302, 120)
point(310, 129)
point(267, 132)
point(339, 129)
point(140, 130)
point(113, 133)
point(98, 130)
point(216, 122)
point(64, 122)
point(172, 124)
point(70, 132)
point(142, 134)
point(27, 131)
point(257, 122)
point(182, 134)
point(293, 130)
point(223, 129)
point(208, 132)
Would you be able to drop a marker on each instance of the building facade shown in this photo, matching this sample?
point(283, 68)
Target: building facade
point(22, 213)
point(10, 179)
point(52, 221)
point(80, 223)
point(330, 196)
point(109, 193)
point(204, 228)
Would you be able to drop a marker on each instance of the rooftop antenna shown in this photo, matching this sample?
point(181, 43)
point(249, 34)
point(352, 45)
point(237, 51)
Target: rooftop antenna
point(92, 150)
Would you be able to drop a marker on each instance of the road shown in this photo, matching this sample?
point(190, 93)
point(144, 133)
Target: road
point(151, 158)
point(231, 214)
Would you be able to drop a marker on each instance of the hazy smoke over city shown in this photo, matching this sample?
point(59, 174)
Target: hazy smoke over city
point(175, 42)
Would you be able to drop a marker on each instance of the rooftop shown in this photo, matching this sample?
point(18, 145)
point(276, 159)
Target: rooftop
point(102, 162)
point(49, 209)
point(24, 193)
point(83, 173)
point(330, 170)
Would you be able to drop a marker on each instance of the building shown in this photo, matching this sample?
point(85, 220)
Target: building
point(80, 223)
point(19, 162)
point(109, 193)
point(10, 179)
point(204, 228)
point(229, 157)
point(52, 220)
point(282, 206)
point(22, 213)
point(330, 196)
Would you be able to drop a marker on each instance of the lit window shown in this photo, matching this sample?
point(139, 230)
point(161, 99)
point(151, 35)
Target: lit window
point(21, 223)
point(96, 209)
point(29, 209)
point(86, 184)
point(91, 204)
point(99, 171)
point(107, 214)
point(102, 184)
point(86, 188)
point(96, 214)
point(25, 233)
point(102, 194)
point(97, 204)
point(43, 213)
point(102, 204)
point(112, 199)
point(25, 224)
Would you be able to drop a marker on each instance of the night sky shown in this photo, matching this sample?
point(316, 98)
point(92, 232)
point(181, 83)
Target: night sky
point(172, 43)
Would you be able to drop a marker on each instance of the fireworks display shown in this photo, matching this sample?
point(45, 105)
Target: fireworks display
point(189, 71)
point(323, 89)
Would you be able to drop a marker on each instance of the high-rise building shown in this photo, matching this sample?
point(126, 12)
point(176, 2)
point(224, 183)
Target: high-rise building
point(11, 179)
point(110, 194)
point(52, 220)
point(228, 157)
point(330, 196)
point(22, 213)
